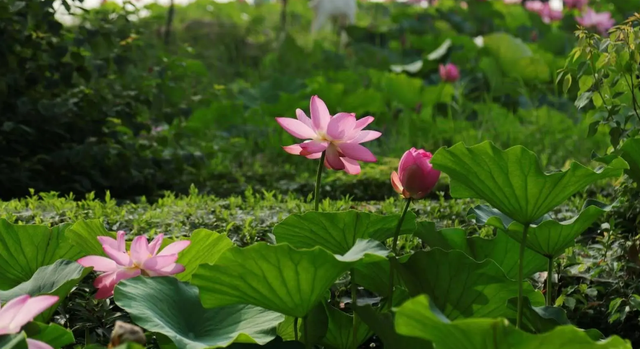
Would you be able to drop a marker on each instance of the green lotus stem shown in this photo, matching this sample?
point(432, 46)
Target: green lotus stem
point(523, 246)
point(295, 329)
point(305, 325)
point(354, 303)
point(316, 194)
point(549, 286)
point(394, 250)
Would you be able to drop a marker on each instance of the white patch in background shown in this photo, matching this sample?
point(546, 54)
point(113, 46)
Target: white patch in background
point(479, 41)
point(556, 5)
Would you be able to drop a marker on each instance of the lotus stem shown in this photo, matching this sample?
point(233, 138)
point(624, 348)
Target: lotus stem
point(549, 282)
point(354, 304)
point(523, 246)
point(316, 195)
point(305, 325)
point(295, 328)
point(394, 250)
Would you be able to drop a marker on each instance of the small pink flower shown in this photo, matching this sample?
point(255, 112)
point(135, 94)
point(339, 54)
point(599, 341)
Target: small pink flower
point(339, 136)
point(143, 258)
point(545, 11)
point(578, 4)
point(415, 177)
point(18, 311)
point(449, 72)
point(601, 21)
point(534, 6)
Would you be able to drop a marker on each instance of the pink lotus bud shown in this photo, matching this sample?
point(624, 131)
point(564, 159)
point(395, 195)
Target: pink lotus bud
point(449, 72)
point(415, 177)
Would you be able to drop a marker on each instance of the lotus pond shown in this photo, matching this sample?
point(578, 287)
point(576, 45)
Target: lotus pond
point(462, 175)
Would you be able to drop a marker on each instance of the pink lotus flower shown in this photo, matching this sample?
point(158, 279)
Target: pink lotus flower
point(601, 21)
point(415, 177)
point(512, 1)
point(338, 136)
point(18, 311)
point(143, 258)
point(579, 4)
point(545, 11)
point(449, 72)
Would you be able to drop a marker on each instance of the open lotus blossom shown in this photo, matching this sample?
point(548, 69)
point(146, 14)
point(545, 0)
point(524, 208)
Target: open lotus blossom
point(142, 259)
point(18, 311)
point(415, 177)
point(449, 72)
point(601, 21)
point(338, 136)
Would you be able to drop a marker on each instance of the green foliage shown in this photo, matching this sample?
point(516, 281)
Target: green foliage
point(417, 318)
point(549, 238)
point(512, 180)
point(24, 249)
point(172, 308)
point(460, 286)
point(56, 279)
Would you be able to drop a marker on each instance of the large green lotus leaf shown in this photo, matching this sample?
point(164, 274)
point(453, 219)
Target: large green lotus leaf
point(25, 248)
point(631, 153)
point(13, 341)
point(168, 306)
point(417, 318)
point(340, 331)
point(500, 249)
point(382, 324)
point(275, 277)
point(549, 238)
point(460, 286)
point(313, 328)
point(515, 57)
point(337, 232)
point(57, 279)
point(206, 247)
point(84, 235)
point(512, 180)
point(539, 319)
point(277, 343)
point(52, 334)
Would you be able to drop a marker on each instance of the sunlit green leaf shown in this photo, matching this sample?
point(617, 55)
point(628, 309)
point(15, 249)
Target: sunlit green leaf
point(460, 286)
point(549, 237)
point(501, 249)
point(57, 279)
point(172, 308)
point(418, 318)
point(52, 334)
point(26, 248)
point(512, 180)
point(206, 247)
point(275, 277)
point(338, 231)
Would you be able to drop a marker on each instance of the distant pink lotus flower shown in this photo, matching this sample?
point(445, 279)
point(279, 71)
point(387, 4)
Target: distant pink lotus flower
point(143, 258)
point(449, 72)
point(415, 177)
point(512, 1)
point(338, 136)
point(545, 11)
point(601, 21)
point(18, 311)
point(579, 4)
